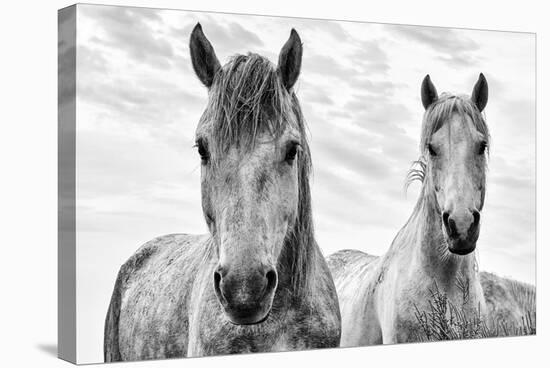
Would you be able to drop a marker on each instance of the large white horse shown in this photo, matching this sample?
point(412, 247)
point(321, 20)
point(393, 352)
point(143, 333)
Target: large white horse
point(257, 280)
point(379, 296)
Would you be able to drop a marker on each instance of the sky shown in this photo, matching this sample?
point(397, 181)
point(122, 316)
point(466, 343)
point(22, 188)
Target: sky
point(139, 102)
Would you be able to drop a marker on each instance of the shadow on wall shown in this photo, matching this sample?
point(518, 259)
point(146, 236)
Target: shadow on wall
point(50, 349)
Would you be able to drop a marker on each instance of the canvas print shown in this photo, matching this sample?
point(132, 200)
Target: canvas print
point(236, 184)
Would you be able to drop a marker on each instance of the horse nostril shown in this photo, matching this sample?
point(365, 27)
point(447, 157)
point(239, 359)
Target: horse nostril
point(217, 285)
point(271, 277)
point(217, 279)
point(453, 231)
point(450, 225)
point(446, 220)
point(477, 217)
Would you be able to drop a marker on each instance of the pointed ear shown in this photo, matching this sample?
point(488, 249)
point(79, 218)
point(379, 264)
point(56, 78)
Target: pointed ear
point(480, 94)
point(290, 60)
point(428, 92)
point(204, 58)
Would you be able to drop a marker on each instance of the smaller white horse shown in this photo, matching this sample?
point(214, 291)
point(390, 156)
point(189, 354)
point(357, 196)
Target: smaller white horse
point(379, 296)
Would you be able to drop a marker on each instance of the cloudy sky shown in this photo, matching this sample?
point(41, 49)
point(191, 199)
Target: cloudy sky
point(139, 103)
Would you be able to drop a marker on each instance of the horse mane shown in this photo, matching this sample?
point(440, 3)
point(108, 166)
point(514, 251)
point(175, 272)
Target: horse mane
point(435, 116)
point(248, 99)
point(300, 246)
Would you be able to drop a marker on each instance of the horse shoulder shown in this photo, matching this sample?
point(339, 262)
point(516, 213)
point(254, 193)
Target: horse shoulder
point(133, 280)
point(111, 348)
point(158, 249)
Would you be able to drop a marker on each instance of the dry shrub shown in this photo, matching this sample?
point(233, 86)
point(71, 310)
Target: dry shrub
point(446, 321)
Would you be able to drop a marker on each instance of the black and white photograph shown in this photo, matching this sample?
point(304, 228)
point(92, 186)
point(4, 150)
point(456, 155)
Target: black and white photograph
point(240, 184)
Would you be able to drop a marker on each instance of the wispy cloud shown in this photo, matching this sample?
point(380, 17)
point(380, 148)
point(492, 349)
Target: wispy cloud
point(319, 64)
point(131, 30)
point(454, 46)
point(370, 57)
point(224, 36)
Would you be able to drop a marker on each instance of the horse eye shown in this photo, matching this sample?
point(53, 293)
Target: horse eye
point(482, 147)
point(431, 150)
point(203, 151)
point(291, 152)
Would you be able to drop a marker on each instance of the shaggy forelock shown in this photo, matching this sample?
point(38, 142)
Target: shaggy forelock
point(436, 115)
point(248, 99)
point(444, 109)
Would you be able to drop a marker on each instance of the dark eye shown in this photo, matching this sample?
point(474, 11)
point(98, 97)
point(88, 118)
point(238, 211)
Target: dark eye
point(291, 152)
point(202, 148)
point(431, 150)
point(482, 147)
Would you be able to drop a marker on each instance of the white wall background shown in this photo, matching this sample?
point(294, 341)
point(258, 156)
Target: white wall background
point(28, 187)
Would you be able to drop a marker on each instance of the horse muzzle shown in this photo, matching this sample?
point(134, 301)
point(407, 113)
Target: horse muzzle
point(245, 296)
point(462, 231)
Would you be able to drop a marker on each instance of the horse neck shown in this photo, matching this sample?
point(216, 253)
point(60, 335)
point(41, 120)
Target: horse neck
point(425, 241)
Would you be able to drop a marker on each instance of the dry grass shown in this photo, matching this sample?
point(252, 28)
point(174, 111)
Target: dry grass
point(447, 321)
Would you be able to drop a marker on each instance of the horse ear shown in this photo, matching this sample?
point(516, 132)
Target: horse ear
point(428, 92)
point(480, 94)
point(204, 58)
point(290, 60)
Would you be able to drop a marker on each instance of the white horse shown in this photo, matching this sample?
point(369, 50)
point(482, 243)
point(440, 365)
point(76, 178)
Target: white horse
point(257, 281)
point(379, 296)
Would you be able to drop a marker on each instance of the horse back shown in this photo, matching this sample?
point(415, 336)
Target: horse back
point(153, 284)
point(508, 301)
point(347, 261)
